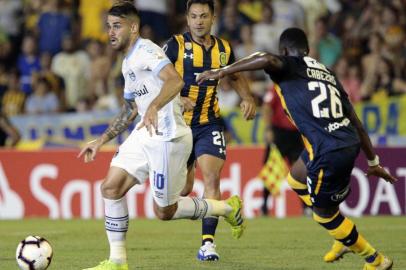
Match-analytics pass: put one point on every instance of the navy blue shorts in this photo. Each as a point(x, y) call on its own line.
point(208, 139)
point(328, 176)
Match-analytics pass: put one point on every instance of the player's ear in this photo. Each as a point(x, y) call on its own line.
point(135, 27)
point(213, 18)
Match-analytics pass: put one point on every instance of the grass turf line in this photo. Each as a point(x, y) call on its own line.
point(268, 243)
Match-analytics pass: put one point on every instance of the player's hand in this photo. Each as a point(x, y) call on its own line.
point(90, 150)
point(382, 173)
point(214, 74)
point(248, 108)
point(187, 103)
point(150, 120)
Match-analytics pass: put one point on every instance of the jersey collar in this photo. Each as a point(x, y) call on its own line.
point(133, 48)
point(201, 45)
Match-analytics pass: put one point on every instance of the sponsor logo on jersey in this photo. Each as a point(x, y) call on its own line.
point(336, 125)
point(159, 194)
point(188, 55)
point(338, 197)
point(142, 91)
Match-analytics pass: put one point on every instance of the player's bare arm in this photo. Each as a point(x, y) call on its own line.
point(373, 161)
point(10, 130)
point(259, 60)
point(171, 87)
point(119, 125)
point(240, 84)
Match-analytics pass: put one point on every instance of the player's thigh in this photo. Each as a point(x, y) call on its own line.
point(210, 149)
point(211, 167)
point(117, 183)
point(298, 171)
point(328, 179)
point(168, 169)
point(209, 140)
point(131, 158)
point(190, 179)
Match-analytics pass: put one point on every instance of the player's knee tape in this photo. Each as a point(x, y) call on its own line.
point(191, 207)
point(300, 189)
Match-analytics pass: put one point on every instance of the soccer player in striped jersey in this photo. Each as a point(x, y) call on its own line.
point(192, 53)
point(317, 104)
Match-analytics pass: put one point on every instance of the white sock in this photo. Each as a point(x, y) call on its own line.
point(196, 208)
point(116, 224)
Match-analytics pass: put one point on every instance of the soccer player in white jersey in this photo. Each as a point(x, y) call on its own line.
point(157, 149)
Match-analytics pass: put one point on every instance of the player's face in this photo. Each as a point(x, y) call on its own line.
point(200, 19)
point(119, 30)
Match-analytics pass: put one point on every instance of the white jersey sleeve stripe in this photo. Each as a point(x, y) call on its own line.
point(160, 66)
point(128, 95)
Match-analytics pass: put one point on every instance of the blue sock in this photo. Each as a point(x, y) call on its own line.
point(209, 226)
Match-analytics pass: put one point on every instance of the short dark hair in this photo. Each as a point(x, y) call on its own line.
point(123, 9)
point(44, 81)
point(210, 3)
point(294, 39)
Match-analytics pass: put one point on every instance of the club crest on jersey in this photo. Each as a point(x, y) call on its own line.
point(132, 75)
point(188, 45)
point(223, 59)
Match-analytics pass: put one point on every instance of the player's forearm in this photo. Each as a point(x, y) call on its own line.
point(170, 89)
point(267, 115)
point(15, 137)
point(119, 124)
point(254, 61)
point(240, 84)
point(366, 144)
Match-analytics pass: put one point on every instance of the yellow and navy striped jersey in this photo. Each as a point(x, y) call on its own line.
point(317, 104)
point(190, 59)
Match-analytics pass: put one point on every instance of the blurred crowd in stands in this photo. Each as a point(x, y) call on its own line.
point(55, 57)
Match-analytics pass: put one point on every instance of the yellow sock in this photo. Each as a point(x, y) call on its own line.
point(345, 231)
point(300, 189)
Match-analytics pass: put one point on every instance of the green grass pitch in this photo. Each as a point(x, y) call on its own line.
point(268, 243)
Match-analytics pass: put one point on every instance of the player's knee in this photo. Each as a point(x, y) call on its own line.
point(165, 213)
point(324, 212)
point(110, 191)
point(186, 190)
point(212, 177)
point(212, 183)
point(162, 215)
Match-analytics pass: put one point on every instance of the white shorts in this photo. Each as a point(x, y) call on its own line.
point(162, 162)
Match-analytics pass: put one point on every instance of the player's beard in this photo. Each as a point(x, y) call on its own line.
point(201, 34)
point(122, 44)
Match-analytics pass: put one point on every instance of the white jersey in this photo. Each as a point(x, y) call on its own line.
point(142, 84)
